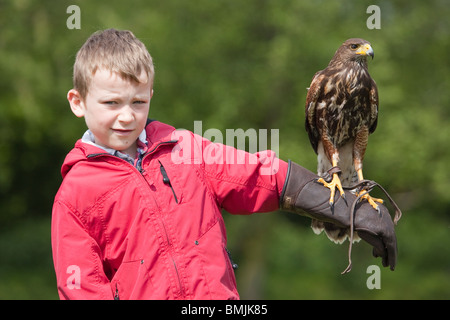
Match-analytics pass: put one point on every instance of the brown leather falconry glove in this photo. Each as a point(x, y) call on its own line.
point(303, 195)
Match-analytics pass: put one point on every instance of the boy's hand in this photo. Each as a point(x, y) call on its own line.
point(303, 195)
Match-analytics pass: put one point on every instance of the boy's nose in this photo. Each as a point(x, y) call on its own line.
point(126, 114)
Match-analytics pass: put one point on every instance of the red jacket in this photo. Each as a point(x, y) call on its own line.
point(156, 231)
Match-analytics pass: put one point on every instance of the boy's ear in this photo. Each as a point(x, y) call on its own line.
point(151, 94)
point(76, 103)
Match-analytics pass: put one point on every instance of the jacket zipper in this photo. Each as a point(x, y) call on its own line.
point(166, 179)
point(169, 244)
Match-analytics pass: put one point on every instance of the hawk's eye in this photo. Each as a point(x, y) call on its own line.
point(354, 46)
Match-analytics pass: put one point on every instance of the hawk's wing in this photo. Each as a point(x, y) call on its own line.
point(373, 95)
point(311, 108)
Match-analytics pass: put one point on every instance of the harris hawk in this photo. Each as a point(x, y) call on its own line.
point(341, 111)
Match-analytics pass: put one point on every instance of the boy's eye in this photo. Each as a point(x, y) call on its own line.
point(114, 102)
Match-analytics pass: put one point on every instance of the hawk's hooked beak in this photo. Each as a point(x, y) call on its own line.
point(366, 50)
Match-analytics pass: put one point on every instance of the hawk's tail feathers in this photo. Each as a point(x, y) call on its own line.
point(334, 233)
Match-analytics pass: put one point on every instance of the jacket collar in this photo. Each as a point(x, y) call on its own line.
point(156, 133)
point(89, 138)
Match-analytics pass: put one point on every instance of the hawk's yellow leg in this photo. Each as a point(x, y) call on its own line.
point(335, 183)
point(370, 199)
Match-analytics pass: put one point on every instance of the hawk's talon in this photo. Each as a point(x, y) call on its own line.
point(372, 201)
point(335, 183)
point(345, 200)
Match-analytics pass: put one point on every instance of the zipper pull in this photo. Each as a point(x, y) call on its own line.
point(116, 295)
point(233, 264)
point(166, 179)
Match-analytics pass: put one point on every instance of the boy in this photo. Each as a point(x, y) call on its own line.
point(138, 214)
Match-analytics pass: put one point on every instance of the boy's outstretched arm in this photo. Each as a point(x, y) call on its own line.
point(303, 195)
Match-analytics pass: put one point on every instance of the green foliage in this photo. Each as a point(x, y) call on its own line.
point(240, 64)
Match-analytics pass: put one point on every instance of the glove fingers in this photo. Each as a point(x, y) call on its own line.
point(379, 249)
point(378, 230)
point(391, 247)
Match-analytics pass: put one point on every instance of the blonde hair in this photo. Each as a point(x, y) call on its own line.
point(115, 50)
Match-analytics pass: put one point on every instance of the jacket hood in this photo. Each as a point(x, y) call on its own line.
point(156, 133)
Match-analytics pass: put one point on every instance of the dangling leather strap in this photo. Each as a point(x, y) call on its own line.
point(366, 185)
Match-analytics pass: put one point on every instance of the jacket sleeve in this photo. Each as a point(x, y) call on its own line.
point(76, 257)
point(242, 182)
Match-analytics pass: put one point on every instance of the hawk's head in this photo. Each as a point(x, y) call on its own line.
point(353, 50)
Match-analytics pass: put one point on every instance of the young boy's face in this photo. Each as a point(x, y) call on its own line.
point(115, 109)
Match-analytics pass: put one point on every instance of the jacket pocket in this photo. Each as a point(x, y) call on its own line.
point(129, 280)
point(216, 264)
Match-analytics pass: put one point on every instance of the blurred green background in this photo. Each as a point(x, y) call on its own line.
point(240, 64)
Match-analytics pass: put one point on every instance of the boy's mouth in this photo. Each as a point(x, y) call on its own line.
point(122, 132)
